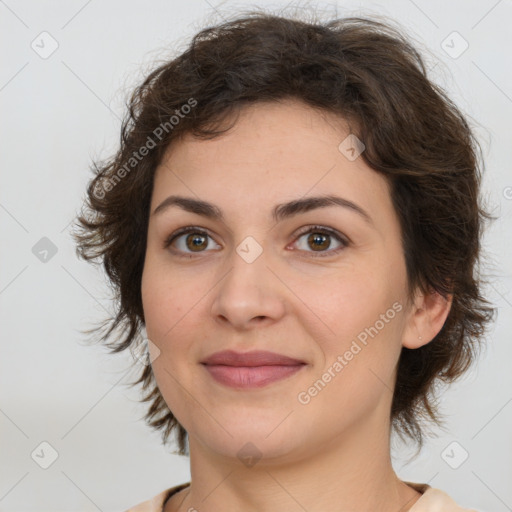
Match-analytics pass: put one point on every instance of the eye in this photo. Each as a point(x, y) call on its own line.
point(196, 240)
point(320, 238)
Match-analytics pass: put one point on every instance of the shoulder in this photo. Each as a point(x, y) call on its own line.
point(436, 500)
point(156, 504)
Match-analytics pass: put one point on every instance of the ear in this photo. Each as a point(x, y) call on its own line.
point(425, 319)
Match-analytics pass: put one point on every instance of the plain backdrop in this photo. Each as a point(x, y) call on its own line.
point(61, 108)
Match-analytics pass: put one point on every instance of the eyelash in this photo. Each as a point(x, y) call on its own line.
point(308, 229)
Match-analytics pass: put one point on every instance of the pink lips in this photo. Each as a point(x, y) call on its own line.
point(250, 369)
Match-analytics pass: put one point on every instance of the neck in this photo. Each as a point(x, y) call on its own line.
point(350, 473)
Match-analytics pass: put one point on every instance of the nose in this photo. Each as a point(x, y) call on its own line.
point(250, 294)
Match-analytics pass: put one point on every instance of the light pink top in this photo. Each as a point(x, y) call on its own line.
point(432, 500)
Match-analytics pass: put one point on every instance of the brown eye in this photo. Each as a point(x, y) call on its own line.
point(319, 240)
point(196, 241)
point(188, 240)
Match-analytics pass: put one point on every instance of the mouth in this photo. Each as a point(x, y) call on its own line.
point(250, 369)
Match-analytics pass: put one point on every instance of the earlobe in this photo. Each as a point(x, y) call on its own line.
point(426, 319)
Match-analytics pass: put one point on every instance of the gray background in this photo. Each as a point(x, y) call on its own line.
point(60, 112)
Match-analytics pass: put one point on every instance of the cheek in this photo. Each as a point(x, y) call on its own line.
point(361, 315)
point(360, 358)
point(172, 302)
point(163, 301)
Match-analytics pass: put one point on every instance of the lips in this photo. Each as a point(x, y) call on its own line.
point(254, 358)
point(250, 369)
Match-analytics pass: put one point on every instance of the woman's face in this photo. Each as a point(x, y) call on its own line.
point(254, 282)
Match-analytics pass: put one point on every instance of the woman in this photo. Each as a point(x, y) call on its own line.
point(292, 225)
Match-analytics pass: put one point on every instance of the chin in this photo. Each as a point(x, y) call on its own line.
point(254, 442)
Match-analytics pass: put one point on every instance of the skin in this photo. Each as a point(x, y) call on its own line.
point(333, 453)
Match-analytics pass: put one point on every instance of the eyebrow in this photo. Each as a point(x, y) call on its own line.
point(279, 212)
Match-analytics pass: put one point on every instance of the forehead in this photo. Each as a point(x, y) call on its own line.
point(276, 151)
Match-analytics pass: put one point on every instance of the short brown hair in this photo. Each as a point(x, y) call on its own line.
point(369, 74)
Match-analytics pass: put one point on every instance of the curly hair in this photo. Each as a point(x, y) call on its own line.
point(367, 72)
